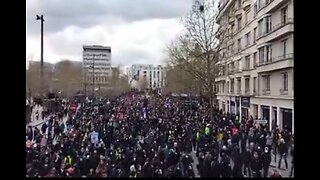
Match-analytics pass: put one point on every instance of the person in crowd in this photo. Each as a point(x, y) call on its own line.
point(283, 152)
point(134, 136)
point(266, 161)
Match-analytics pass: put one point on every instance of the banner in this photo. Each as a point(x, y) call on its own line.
point(94, 137)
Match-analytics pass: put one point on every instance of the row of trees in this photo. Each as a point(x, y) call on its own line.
point(66, 78)
point(193, 55)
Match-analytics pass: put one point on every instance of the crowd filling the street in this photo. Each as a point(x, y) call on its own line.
point(138, 135)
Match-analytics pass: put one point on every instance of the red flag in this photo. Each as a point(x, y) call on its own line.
point(234, 131)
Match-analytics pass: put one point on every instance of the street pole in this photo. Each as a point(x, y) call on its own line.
point(41, 55)
point(93, 81)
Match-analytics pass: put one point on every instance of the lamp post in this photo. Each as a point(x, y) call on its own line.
point(41, 55)
point(93, 56)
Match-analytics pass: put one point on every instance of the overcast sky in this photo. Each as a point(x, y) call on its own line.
point(136, 30)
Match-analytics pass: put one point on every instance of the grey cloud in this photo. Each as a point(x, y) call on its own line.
point(131, 56)
point(86, 13)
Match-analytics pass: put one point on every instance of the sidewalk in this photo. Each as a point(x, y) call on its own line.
point(274, 165)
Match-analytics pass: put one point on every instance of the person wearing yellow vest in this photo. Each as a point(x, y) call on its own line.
point(220, 136)
point(68, 160)
point(207, 130)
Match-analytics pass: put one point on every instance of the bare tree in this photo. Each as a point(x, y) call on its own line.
point(179, 80)
point(67, 78)
point(197, 50)
point(119, 83)
point(143, 83)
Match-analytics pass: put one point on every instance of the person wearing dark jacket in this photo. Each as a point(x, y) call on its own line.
point(44, 128)
point(30, 133)
point(283, 151)
point(215, 168)
point(292, 162)
point(237, 168)
point(266, 160)
point(246, 156)
point(225, 169)
point(256, 165)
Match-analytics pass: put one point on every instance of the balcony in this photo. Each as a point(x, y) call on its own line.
point(276, 63)
point(230, 72)
point(273, 5)
point(246, 4)
point(278, 31)
point(237, 70)
point(238, 12)
point(247, 92)
point(254, 92)
point(231, 19)
point(220, 78)
point(246, 68)
point(283, 91)
point(266, 92)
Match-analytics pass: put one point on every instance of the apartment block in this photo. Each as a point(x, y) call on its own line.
point(256, 66)
point(155, 75)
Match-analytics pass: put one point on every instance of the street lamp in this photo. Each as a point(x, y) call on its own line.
point(93, 56)
point(41, 55)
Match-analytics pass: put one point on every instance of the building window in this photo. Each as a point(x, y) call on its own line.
point(284, 15)
point(261, 55)
point(247, 39)
point(284, 47)
point(285, 81)
point(232, 66)
point(254, 84)
point(268, 24)
point(246, 17)
point(232, 86)
point(239, 4)
point(260, 26)
point(239, 23)
point(247, 62)
point(254, 34)
point(268, 53)
point(267, 83)
point(239, 44)
point(232, 29)
point(247, 85)
point(232, 49)
point(228, 89)
point(255, 59)
point(223, 84)
point(260, 4)
point(239, 85)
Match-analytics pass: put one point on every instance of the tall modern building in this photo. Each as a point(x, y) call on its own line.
point(96, 66)
point(155, 75)
point(256, 68)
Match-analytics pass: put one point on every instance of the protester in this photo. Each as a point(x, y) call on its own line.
point(137, 136)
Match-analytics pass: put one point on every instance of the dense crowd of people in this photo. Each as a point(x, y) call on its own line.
point(138, 136)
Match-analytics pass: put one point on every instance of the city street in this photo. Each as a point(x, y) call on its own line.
point(129, 95)
point(274, 165)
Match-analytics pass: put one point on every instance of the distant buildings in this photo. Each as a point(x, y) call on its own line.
point(96, 65)
point(153, 75)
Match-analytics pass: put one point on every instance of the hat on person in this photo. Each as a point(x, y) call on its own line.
point(70, 170)
point(132, 168)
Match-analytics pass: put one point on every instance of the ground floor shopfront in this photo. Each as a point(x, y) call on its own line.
point(276, 111)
